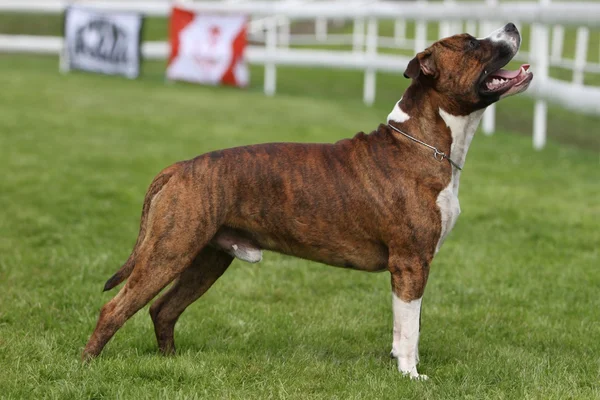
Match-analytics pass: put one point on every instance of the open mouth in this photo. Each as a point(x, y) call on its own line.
point(501, 81)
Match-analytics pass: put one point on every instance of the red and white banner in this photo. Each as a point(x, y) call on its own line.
point(208, 48)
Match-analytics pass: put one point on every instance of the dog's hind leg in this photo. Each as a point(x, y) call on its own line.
point(146, 281)
point(176, 235)
point(193, 282)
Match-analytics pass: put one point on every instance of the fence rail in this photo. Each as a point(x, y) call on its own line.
point(564, 13)
point(273, 28)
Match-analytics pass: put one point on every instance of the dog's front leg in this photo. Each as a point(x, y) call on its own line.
point(408, 284)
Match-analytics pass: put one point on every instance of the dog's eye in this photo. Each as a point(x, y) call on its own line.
point(473, 43)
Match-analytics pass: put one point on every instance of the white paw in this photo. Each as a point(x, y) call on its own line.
point(419, 377)
point(413, 374)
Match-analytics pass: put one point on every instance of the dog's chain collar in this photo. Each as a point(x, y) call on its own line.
point(438, 155)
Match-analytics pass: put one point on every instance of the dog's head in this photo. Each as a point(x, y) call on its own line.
point(468, 71)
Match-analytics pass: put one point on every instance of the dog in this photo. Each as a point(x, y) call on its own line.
point(375, 202)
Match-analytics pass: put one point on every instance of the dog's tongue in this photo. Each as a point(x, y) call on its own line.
point(502, 73)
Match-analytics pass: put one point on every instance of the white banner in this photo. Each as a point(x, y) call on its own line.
point(208, 48)
point(104, 42)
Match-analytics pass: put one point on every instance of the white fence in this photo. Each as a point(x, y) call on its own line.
point(271, 24)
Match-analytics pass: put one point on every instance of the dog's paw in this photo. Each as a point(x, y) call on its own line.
point(419, 377)
point(414, 375)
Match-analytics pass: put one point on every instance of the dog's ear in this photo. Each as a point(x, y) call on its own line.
point(413, 69)
point(423, 63)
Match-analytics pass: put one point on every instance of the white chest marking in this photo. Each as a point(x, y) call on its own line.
point(462, 129)
point(397, 115)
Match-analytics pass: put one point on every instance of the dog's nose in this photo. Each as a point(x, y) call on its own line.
point(510, 27)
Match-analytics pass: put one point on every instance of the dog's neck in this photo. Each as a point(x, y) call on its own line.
point(421, 114)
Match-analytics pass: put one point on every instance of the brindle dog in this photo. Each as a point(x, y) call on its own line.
point(376, 202)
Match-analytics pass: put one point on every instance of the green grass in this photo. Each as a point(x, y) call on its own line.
point(511, 309)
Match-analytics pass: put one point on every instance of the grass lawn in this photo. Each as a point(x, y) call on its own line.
point(511, 309)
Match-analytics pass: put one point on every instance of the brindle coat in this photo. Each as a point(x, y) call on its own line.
point(365, 203)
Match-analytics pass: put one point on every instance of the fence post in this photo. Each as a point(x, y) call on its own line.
point(399, 31)
point(420, 33)
point(445, 26)
point(358, 35)
point(558, 37)
point(471, 27)
point(64, 63)
point(581, 47)
point(489, 120)
point(284, 31)
point(540, 36)
point(370, 77)
point(488, 125)
point(455, 26)
point(321, 29)
point(271, 49)
point(449, 28)
point(420, 36)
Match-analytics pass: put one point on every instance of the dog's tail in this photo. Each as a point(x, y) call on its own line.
point(155, 187)
point(122, 274)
